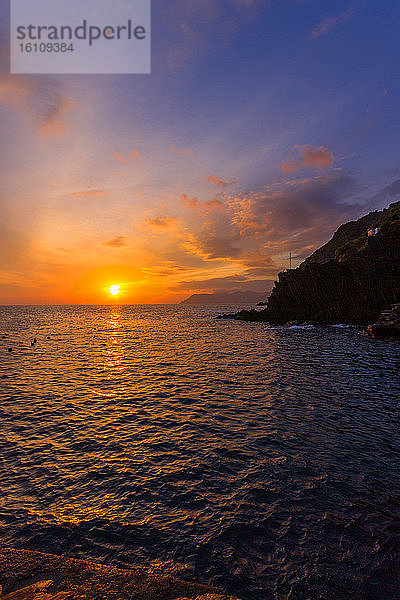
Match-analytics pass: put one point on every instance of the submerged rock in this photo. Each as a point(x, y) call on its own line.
point(28, 575)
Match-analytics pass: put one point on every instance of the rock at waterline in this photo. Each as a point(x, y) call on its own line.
point(28, 575)
point(388, 324)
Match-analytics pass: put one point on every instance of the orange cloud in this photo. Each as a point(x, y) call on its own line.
point(213, 203)
point(189, 202)
point(218, 181)
point(88, 194)
point(162, 222)
point(194, 203)
point(319, 158)
point(134, 155)
point(117, 242)
point(182, 151)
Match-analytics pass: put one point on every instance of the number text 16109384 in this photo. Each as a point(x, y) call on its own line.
point(46, 47)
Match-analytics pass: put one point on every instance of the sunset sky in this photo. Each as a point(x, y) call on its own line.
point(264, 125)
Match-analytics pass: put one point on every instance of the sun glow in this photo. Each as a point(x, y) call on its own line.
point(114, 290)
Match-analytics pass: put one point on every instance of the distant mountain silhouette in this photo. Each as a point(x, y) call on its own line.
point(226, 297)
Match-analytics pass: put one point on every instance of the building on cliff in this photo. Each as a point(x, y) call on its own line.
point(373, 232)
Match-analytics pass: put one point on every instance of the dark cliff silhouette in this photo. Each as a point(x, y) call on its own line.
point(351, 279)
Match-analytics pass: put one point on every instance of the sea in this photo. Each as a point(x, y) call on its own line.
point(261, 460)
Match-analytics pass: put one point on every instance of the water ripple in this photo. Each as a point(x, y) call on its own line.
point(266, 459)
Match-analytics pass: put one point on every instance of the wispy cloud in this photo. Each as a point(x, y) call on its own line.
point(330, 22)
point(197, 17)
point(161, 222)
point(88, 194)
point(195, 203)
point(53, 123)
point(258, 228)
point(387, 195)
point(218, 181)
point(133, 156)
point(46, 102)
point(14, 90)
point(182, 151)
point(117, 242)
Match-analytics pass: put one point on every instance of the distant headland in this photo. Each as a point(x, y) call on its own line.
point(225, 297)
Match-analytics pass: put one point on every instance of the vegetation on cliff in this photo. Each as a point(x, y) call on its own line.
point(345, 235)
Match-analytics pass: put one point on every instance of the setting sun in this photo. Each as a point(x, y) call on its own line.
point(114, 290)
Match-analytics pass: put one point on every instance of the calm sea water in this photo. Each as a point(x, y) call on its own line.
point(267, 460)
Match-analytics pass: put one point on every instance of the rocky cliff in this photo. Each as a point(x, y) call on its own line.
point(349, 280)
